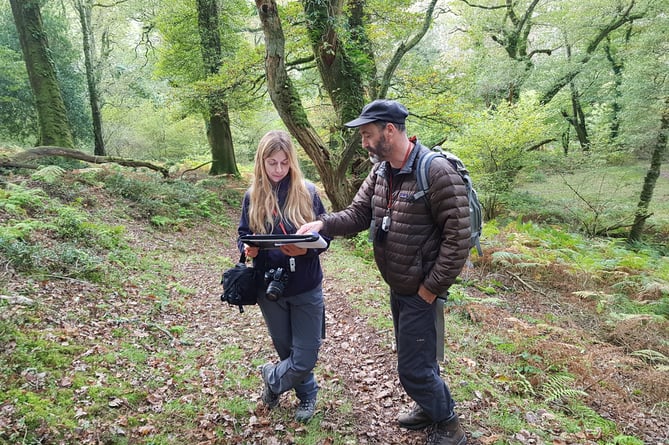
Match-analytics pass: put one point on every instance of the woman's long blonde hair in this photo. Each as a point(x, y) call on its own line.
point(298, 208)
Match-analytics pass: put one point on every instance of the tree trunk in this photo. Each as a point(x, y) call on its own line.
point(84, 8)
point(48, 151)
point(218, 121)
point(220, 141)
point(287, 102)
point(345, 79)
point(356, 24)
point(651, 178)
point(617, 66)
point(578, 120)
point(52, 117)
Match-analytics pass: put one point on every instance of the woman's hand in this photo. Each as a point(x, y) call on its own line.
point(251, 251)
point(292, 250)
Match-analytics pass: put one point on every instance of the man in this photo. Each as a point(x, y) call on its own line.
point(419, 249)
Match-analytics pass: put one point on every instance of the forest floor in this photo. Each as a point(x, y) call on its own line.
point(356, 365)
point(359, 358)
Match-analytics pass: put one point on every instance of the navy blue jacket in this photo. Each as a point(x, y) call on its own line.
point(308, 273)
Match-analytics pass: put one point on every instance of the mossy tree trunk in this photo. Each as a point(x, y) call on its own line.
point(218, 119)
point(349, 82)
point(84, 8)
point(651, 178)
point(54, 127)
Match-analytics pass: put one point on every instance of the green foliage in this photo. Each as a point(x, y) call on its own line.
point(156, 129)
point(19, 200)
point(49, 174)
point(164, 203)
point(559, 387)
point(627, 440)
point(18, 121)
point(494, 146)
point(363, 247)
point(82, 243)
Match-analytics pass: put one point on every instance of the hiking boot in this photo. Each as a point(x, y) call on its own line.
point(416, 419)
point(305, 410)
point(269, 397)
point(447, 432)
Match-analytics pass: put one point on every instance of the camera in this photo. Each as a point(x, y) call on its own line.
point(276, 280)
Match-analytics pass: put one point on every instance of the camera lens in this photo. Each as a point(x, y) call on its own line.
point(276, 283)
point(274, 291)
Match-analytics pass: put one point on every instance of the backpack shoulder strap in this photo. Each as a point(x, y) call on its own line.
point(422, 174)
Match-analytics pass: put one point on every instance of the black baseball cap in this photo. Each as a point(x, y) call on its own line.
point(380, 110)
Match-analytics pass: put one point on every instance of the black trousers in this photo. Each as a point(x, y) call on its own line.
point(417, 366)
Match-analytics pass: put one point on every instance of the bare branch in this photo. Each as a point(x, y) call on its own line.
point(405, 48)
point(483, 6)
point(43, 151)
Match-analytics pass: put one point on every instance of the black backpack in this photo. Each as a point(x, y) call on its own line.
point(475, 210)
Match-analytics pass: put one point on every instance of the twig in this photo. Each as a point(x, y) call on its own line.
point(527, 285)
point(149, 325)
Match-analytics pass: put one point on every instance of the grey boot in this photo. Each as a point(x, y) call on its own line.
point(305, 410)
point(416, 419)
point(269, 397)
point(447, 432)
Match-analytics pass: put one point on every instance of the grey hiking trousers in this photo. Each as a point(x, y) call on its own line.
point(296, 326)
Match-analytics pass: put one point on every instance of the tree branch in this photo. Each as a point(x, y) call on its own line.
point(483, 6)
point(405, 48)
point(43, 151)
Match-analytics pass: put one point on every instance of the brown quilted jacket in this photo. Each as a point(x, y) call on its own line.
point(423, 245)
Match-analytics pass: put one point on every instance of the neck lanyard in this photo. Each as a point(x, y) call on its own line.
point(283, 228)
point(390, 180)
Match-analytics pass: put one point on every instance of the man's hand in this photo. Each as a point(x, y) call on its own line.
point(314, 226)
point(426, 295)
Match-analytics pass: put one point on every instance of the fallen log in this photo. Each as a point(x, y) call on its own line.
point(47, 150)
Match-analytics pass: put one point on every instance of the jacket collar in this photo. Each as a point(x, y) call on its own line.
point(385, 168)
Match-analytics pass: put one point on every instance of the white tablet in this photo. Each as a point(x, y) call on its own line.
point(274, 241)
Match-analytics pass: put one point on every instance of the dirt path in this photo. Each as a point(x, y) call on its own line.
point(352, 359)
point(356, 360)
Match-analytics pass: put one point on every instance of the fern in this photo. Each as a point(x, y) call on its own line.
point(651, 356)
point(17, 199)
point(506, 258)
point(559, 387)
point(524, 384)
point(49, 174)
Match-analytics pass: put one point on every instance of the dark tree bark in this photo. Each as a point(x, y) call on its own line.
point(617, 66)
point(651, 178)
point(361, 43)
point(52, 117)
point(84, 8)
point(341, 164)
point(577, 118)
point(219, 135)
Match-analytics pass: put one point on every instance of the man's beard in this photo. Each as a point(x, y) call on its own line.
point(379, 152)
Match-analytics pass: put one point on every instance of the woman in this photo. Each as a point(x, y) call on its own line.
point(279, 201)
